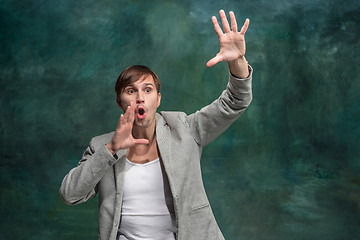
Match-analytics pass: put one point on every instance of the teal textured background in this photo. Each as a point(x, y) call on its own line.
point(288, 169)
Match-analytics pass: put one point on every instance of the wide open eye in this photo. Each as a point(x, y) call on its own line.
point(147, 90)
point(130, 91)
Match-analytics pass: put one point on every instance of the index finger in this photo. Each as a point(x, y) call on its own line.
point(132, 113)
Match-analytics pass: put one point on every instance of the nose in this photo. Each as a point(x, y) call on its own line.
point(139, 97)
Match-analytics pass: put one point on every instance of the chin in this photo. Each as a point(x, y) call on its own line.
point(143, 123)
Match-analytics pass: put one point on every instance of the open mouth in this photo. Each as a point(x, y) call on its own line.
point(141, 113)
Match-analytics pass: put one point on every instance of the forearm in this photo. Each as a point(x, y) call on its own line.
point(239, 68)
point(80, 183)
point(208, 123)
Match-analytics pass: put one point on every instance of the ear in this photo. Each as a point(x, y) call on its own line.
point(158, 99)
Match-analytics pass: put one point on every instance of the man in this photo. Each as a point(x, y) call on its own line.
point(147, 172)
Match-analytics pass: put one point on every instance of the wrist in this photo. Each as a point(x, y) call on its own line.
point(110, 148)
point(239, 67)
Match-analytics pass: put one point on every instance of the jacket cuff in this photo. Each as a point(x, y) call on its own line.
point(104, 154)
point(243, 85)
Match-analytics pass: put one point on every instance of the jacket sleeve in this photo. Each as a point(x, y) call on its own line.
point(80, 184)
point(212, 120)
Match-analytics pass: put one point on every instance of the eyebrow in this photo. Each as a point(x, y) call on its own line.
point(146, 84)
point(131, 85)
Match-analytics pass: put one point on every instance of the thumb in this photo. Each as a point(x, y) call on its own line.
point(142, 141)
point(214, 60)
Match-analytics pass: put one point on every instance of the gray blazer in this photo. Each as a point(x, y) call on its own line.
point(180, 140)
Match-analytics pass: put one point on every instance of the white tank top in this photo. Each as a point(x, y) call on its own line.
point(147, 208)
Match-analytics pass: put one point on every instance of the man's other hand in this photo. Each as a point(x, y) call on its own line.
point(232, 45)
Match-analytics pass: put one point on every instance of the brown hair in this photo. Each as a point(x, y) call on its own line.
point(131, 75)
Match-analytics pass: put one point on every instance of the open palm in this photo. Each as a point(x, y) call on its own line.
point(232, 42)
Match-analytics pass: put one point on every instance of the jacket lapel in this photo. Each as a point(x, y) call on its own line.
point(163, 138)
point(119, 171)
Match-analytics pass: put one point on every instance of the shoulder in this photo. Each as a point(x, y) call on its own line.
point(171, 118)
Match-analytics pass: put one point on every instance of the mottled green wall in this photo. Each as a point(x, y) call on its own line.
point(289, 169)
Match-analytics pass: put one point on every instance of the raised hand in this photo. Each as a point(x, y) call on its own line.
point(232, 42)
point(123, 138)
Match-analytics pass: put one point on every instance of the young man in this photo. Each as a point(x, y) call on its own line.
point(147, 172)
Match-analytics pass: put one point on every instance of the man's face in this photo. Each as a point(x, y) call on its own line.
point(144, 95)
